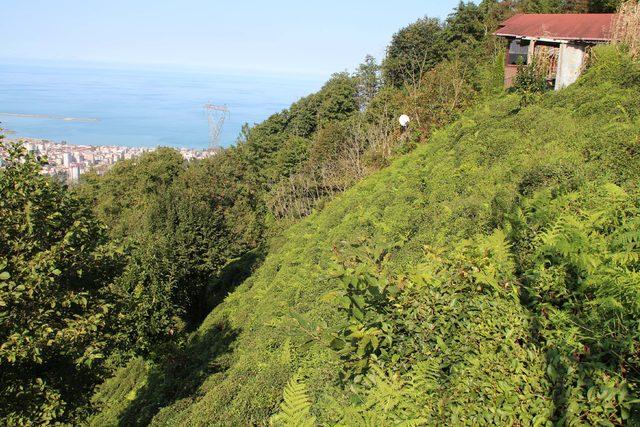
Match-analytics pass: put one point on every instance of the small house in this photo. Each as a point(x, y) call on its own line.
point(559, 41)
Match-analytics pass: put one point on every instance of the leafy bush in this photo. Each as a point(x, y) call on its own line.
point(580, 263)
point(55, 269)
point(529, 81)
point(450, 340)
point(566, 315)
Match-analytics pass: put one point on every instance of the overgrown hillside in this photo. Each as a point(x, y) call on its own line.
point(490, 276)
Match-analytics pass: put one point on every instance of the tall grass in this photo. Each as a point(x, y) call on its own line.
point(626, 27)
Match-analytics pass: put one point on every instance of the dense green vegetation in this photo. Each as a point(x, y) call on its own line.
point(56, 265)
point(184, 227)
point(481, 267)
point(488, 277)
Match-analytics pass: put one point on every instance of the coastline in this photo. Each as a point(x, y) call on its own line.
point(70, 161)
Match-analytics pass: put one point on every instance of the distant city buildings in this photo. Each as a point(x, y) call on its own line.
point(74, 172)
point(66, 157)
point(70, 161)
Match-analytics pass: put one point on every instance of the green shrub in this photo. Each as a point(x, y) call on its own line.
point(580, 263)
point(55, 269)
point(529, 81)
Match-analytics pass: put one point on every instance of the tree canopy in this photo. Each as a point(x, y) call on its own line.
point(56, 265)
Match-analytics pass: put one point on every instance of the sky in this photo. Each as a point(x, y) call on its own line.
point(313, 37)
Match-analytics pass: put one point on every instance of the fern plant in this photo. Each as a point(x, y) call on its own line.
point(441, 330)
point(295, 410)
point(581, 275)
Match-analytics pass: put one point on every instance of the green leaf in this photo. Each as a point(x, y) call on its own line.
point(337, 344)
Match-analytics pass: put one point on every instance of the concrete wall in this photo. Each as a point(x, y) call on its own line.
point(570, 60)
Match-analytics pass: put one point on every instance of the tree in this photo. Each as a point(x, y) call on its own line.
point(604, 6)
point(414, 50)
point(123, 197)
point(465, 25)
point(303, 116)
point(55, 268)
point(293, 153)
point(328, 143)
point(541, 6)
point(494, 12)
point(338, 98)
point(209, 215)
point(368, 81)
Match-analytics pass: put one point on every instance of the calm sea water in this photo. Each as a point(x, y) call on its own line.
point(137, 107)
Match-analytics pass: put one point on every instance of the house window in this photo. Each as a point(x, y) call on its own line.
point(518, 52)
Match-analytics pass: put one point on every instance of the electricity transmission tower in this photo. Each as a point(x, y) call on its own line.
point(216, 116)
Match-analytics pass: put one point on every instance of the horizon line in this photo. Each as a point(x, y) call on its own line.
point(159, 66)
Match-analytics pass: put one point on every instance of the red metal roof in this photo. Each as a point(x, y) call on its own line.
point(570, 26)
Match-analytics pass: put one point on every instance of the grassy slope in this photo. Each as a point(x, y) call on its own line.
point(457, 185)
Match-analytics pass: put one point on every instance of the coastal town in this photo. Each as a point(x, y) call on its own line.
point(69, 161)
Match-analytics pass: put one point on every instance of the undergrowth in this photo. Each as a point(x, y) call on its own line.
point(490, 276)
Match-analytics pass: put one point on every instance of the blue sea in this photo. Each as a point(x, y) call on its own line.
point(138, 107)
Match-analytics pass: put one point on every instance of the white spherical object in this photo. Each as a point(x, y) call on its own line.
point(404, 120)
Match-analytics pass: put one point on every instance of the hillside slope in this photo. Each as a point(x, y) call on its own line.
point(468, 180)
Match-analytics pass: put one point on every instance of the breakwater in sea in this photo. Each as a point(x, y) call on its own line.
point(50, 117)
